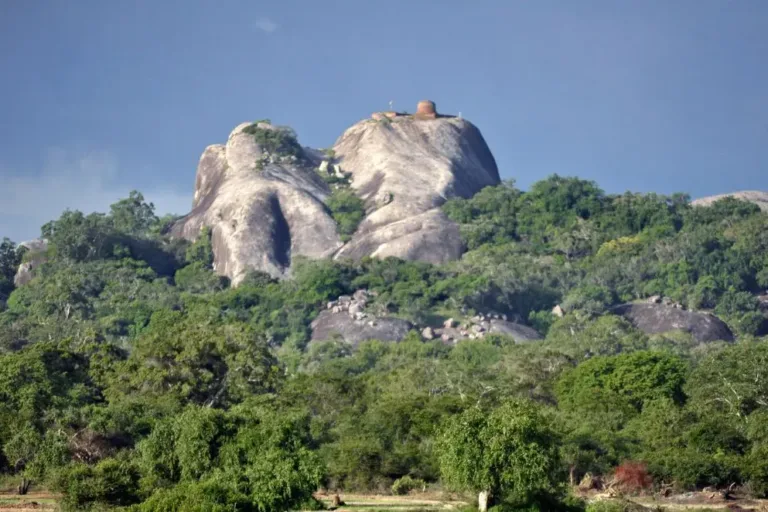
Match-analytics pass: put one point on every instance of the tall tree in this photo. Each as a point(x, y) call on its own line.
point(10, 258)
point(508, 455)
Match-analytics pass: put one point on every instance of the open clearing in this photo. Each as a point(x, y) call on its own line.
point(32, 502)
point(43, 501)
point(371, 503)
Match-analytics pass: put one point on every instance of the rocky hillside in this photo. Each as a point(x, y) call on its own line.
point(264, 197)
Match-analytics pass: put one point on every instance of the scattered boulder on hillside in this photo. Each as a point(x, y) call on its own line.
point(355, 318)
point(350, 318)
point(753, 196)
point(330, 324)
point(666, 301)
point(520, 333)
point(36, 253)
point(661, 318)
point(478, 326)
point(405, 167)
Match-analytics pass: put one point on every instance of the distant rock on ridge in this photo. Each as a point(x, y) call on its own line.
point(753, 196)
point(36, 254)
point(264, 209)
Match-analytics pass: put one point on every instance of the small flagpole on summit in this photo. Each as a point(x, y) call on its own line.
point(391, 102)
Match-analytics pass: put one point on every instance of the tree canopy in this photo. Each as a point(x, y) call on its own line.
point(132, 375)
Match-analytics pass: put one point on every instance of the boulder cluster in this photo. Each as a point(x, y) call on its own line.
point(352, 317)
point(666, 301)
point(354, 305)
point(264, 196)
point(474, 328)
point(329, 169)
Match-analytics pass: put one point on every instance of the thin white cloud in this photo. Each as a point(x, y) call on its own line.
point(266, 25)
point(78, 181)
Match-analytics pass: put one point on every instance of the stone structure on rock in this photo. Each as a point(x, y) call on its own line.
point(266, 209)
point(426, 109)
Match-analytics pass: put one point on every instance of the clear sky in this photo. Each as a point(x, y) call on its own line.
point(100, 97)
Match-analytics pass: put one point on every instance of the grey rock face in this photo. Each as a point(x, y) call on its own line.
point(753, 196)
point(329, 324)
point(260, 218)
point(405, 169)
point(428, 236)
point(660, 318)
point(34, 257)
point(521, 333)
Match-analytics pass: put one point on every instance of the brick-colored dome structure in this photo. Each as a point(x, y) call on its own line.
point(426, 108)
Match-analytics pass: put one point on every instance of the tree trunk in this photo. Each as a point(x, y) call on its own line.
point(483, 499)
point(23, 487)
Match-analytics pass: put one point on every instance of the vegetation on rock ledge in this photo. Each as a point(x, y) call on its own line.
point(275, 140)
point(347, 210)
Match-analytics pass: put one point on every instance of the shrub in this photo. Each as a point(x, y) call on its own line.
point(347, 210)
point(276, 140)
point(406, 484)
point(311, 503)
point(614, 506)
point(207, 496)
point(632, 476)
point(112, 481)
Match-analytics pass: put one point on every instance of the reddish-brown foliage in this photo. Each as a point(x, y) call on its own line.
point(632, 476)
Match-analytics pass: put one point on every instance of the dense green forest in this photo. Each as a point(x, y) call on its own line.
point(131, 375)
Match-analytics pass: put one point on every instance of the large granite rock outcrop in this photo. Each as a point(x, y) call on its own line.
point(661, 318)
point(263, 210)
point(404, 168)
point(266, 208)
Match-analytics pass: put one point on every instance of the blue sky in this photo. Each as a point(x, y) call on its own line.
point(101, 97)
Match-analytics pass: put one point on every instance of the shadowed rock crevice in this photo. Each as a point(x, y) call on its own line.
point(281, 234)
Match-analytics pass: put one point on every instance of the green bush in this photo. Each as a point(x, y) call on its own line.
point(613, 506)
point(406, 484)
point(347, 210)
point(112, 481)
point(275, 140)
point(207, 496)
